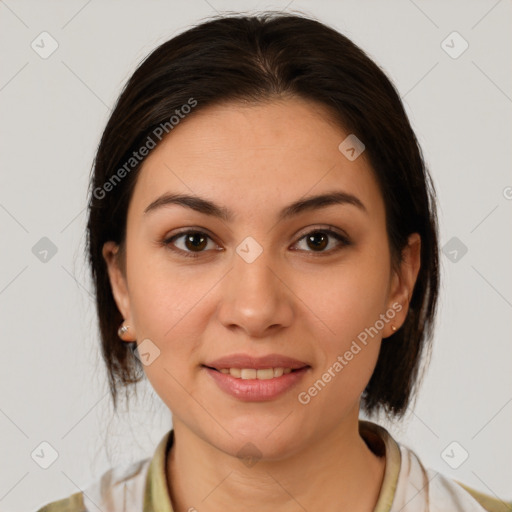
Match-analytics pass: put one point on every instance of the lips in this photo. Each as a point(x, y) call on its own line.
point(258, 363)
point(256, 389)
point(256, 379)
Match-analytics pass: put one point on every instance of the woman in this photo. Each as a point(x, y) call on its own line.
point(262, 231)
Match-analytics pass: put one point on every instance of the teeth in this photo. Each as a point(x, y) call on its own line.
point(235, 372)
point(248, 373)
point(265, 374)
point(253, 373)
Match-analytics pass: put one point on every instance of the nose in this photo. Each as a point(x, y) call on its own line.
point(256, 298)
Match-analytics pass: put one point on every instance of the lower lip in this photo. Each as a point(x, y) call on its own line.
point(256, 390)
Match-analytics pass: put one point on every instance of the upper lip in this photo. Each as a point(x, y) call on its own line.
point(262, 362)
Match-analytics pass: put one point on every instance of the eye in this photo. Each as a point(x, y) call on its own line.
point(318, 239)
point(193, 242)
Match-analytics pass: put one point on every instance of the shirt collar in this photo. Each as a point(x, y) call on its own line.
point(378, 439)
point(156, 495)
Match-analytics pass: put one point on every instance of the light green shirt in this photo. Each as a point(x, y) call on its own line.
point(407, 486)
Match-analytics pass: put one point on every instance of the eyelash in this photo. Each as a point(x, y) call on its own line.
point(168, 242)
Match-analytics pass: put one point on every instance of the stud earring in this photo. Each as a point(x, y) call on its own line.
point(122, 330)
point(393, 328)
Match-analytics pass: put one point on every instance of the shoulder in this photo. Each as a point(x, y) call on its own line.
point(487, 502)
point(116, 487)
point(419, 486)
point(74, 503)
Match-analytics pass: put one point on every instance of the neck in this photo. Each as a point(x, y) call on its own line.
point(335, 472)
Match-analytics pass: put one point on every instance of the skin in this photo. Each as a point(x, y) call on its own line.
point(307, 303)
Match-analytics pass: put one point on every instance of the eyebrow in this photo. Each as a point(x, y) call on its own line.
point(208, 207)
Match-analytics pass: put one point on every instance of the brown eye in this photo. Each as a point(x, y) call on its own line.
point(319, 239)
point(193, 242)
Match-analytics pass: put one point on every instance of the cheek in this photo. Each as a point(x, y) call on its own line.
point(348, 352)
point(168, 306)
point(350, 302)
point(354, 294)
point(161, 292)
point(167, 309)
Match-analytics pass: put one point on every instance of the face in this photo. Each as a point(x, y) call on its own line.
point(312, 283)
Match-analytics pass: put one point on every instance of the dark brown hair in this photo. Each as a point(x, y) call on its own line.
point(261, 58)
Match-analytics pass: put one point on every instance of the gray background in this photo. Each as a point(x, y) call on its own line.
point(53, 110)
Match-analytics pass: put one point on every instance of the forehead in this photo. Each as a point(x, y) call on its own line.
point(256, 156)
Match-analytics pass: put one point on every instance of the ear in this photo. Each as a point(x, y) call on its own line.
point(118, 283)
point(403, 281)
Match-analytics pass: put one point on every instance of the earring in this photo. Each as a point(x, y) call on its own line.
point(122, 330)
point(393, 328)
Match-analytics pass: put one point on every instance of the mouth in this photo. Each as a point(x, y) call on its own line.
point(257, 373)
point(256, 384)
point(253, 378)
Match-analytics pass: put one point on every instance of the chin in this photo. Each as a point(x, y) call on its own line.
point(261, 440)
